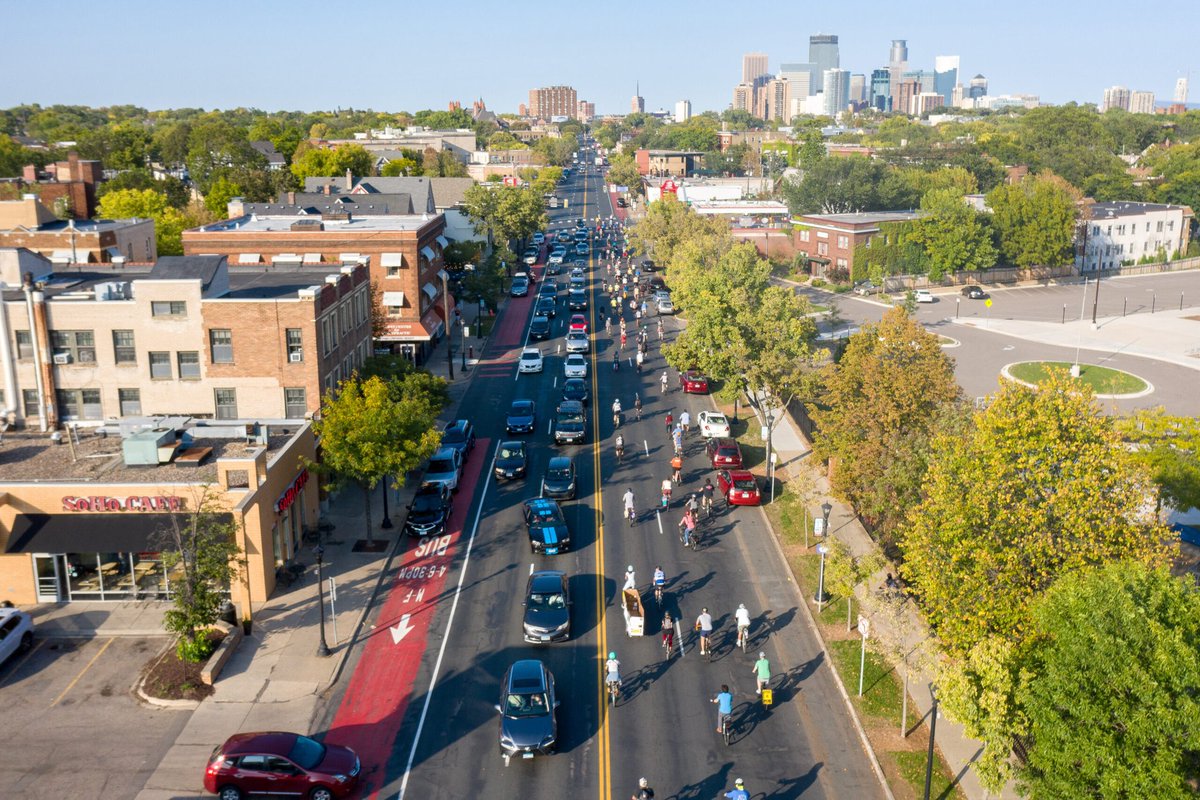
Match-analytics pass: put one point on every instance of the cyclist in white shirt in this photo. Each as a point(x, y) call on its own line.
point(743, 621)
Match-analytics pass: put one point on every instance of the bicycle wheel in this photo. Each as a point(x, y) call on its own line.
point(725, 732)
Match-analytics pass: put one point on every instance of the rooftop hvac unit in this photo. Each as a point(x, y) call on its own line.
point(149, 448)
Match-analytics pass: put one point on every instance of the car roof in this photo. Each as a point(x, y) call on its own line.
point(460, 424)
point(537, 350)
point(739, 474)
point(560, 462)
point(570, 405)
point(526, 674)
point(522, 402)
point(543, 507)
point(575, 356)
point(272, 742)
point(547, 580)
point(445, 452)
point(511, 444)
point(540, 319)
point(577, 334)
point(725, 441)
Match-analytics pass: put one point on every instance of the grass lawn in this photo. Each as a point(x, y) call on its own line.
point(881, 691)
point(912, 767)
point(1102, 380)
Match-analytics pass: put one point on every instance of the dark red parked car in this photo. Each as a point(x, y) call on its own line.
point(281, 764)
point(724, 453)
point(694, 382)
point(739, 487)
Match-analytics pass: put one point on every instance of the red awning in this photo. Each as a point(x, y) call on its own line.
point(407, 331)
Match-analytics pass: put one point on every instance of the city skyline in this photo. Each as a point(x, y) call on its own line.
point(223, 50)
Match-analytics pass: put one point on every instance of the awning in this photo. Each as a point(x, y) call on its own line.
point(442, 241)
point(392, 260)
point(312, 258)
point(348, 258)
point(287, 258)
point(61, 257)
point(407, 331)
point(430, 291)
point(393, 299)
point(115, 255)
point(248, 258)
point(427, 251)
point(116, 532)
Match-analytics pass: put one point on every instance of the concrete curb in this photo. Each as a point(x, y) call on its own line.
point(161, 702)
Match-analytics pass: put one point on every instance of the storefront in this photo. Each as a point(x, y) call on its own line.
point(65, 541)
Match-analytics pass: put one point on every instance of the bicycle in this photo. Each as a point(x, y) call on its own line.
point(616, 419)
point(614, 690)
point(743, 637)
point(706, 505)
point(631, 513)
point(637, 408)
point(726, 733)
point(658, 593)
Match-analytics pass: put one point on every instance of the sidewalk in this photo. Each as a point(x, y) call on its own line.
point(957, 749)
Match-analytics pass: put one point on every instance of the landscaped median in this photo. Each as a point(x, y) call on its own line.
point(1104, 381)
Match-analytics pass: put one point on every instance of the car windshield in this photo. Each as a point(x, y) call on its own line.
point(440, 465)
point(559, 474)
point(531, 356)
point(526, 705)
point(541, 601)
point(512, 452)
point(306, 753)
point(521, 409)
point(727, 450)
point(454, 436)
point(427, 501)
point(570, 416)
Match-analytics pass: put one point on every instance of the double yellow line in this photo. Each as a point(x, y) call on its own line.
point(605, 771)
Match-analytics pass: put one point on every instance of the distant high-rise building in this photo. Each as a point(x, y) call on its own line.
point(881, 89)
point(802, 77)
point(958, 96)
point(638, 104)
point(897, 64)
point(683, 110)
point(587, 111)
point(978, 87)
point(823, 52)
point(553, 101)
point(1181, 90)
point(754, 66)
point(945, 76)
point(1141, 102)
point(778, 100)
point(858, 89)
point(743, 97)
point(837, 91)
point(904, 101)
point(522, 110)
point(1115, 97)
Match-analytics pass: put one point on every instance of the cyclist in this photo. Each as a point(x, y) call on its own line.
point(617, 413)
point(687, 527)
point(739, 791)
point(663, 381)
point(612, 673)
point(630, 500)
point(644, 791)
point(762, 672)
point(704, 625)
point(677, 467)
point(623, 339)
point(677, 439)
point(685, 421)
point(630, 578)
point(616, 360)
point(692, 505)
point(660, 330)
point(637, 405)
point(708, 490)
point(666, 491)
point(641, 356)
point(724, 701)
point(743, 622)
point(668, 631)
point(620, 445)
point(670, 420)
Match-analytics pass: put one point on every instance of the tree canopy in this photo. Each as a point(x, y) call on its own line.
point(847, 185)
point(1035, 221)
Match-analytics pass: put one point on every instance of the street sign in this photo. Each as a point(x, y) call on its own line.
point(822, 549)
point(864, 626)
point(819, 528)
point(988, 302)
point(774, 457)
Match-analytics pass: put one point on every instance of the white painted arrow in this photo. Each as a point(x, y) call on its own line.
point(400, 630)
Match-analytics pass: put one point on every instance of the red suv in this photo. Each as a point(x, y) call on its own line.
point(278, 763)
point(723, 453)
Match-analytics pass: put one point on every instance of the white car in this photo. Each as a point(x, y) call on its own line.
point(539, 237)
point(531, 360)
point(577, 272)
point(576, 366)
point(666, 305)
point(556, 256)
point(712, 424)
point(577, 342)
point(531, 256)
point(924, 296)
point(16, 632)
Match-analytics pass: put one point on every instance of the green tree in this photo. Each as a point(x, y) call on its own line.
point(848, 185)
point(878, 408)
point(169, 223)
point(13, 157)
point(1039, 487)
point(1113, 691)
point(955, 236)
point(172, 188)
point(623, 171)
point(119, 146)
point(199, 548)
point(505, 213)
point(322, 163)
point(217, 147)
point(669, 223)
point(1069, 140)
point(371, 430)
point(1169, 447)
point(169, 143)
point(844, 571)
point(1035, 221)
point(219, 194)
point(813, 149)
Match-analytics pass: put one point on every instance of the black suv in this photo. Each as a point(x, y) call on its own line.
point(428, 511)
point(528, 724)
point(577, 300)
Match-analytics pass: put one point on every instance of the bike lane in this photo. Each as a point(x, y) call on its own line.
point(372, 709)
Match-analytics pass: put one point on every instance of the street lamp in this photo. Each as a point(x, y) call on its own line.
point(825, 509)
point(446, 314)
point(932, 733)
point(319, 552)
point(820, 597)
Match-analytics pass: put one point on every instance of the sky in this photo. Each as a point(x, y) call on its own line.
point(406, 56)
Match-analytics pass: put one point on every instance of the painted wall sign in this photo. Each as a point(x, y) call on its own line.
point(93, 504)
point(291, 493)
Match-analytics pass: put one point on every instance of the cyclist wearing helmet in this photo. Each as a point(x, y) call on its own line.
point(644, 791)
point(612, 672)
point(743, 621)
point(739, 791)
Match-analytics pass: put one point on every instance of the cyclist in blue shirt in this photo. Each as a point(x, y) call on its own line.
point(739, 791)
point(724, 701)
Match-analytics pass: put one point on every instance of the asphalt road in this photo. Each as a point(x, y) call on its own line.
point(663, 728)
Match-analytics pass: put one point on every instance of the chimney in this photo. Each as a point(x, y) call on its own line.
point(326, 188)
point(29, 173)
point(349, 180)
point(291, 198)
point(73, 166)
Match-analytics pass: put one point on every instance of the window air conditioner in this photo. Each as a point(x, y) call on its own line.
point(62, 358)
point(296, 357)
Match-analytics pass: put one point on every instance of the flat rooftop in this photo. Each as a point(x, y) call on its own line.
point(1124, 208)
point(253, 223)
point(863, 218)
point(86, 225)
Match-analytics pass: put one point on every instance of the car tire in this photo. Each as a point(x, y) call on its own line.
point(321, 793)
point(26, 642)
point(229, 793)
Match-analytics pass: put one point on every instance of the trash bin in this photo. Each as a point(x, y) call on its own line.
point(227, 613)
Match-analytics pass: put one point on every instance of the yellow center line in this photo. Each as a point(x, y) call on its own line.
point(71, 685)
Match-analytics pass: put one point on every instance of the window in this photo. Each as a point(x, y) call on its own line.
point(124, 351)
point(394, 312)
point(822, 248)
point(131, 402)
point(221, 342)
point(843, 242)
point(804, 236)
point(1120, 230)
point(295, 344)
point(79, 403)
point(168, 308)
point(1095, 230)
point(1147, 227)
point(226, 402)
point(24, 345)
point(295, 403)
point(841, 263)
point(1170, 224)
point(30, 402)
point(160, 365)
point(1158, 228)
point(328, 334)
point(79, 346)
point(189, 365)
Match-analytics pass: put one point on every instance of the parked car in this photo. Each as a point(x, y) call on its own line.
point(521, 417)
point(712, 424)
point(519, 288)
point(281, 764)
point(512, 460)
point(974, 292)
point(559, 481)
point(527, 708)
point(622, 202)
point(16, 632)
point(570, 423)
point(539, 328)
point(575, 389)
point(428, 511)
point(531, 360)
point(647, 265)
point(925, 296)
point(575, 366)
point(547, 607)
point(695, 382)
point(865, 288)
point(459, 434)
point(445, 467)
point(548, 533)
point(723, 453)
point(665, 305)
point(739, 487)
point(578, 342)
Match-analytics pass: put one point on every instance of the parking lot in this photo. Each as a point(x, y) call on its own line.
point(73, 727)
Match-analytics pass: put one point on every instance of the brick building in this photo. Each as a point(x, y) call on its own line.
point(828, 240)
point(553, 101)
point(72, 182)
point(667, 162)
point(28, 223)
point(186, 336)
point(403, 255)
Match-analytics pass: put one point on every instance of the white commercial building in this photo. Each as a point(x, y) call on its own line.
point(683, 110)
point(1115, 97)
point(1141, 102)
point(1126, 232)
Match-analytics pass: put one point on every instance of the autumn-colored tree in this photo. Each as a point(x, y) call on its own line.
point(1169, 446)
point(1040, 486)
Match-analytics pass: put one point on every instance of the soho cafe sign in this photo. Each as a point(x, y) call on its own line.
point(104, 503)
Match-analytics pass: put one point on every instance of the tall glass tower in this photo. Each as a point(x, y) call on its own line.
point(823, 52)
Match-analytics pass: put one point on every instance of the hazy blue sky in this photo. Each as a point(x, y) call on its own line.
point(410, 55)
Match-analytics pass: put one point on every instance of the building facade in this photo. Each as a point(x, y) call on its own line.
point(587, 111)
point(683, 110)
point(823, 52)
point(837, 91)
point(945, 77)
point(1141, 102)
point(185, 337)
point(29, 224)
point(1120, 232)
point(1115, 97)
point(828, 241)
point(553, 101)
point(754, 66)
point(70, 185)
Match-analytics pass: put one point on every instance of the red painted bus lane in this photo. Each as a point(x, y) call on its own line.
point(381, 687)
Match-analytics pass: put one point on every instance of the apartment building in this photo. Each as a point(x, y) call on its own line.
point(828, 241)
point(1124, 232)
point(186, 336)
point(28, 223)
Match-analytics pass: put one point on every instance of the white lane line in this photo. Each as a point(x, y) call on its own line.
point(658, 519)
point(646, 445)
point(554, 383)
point(549, 426)
point(437, 667)
point(530, 567)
